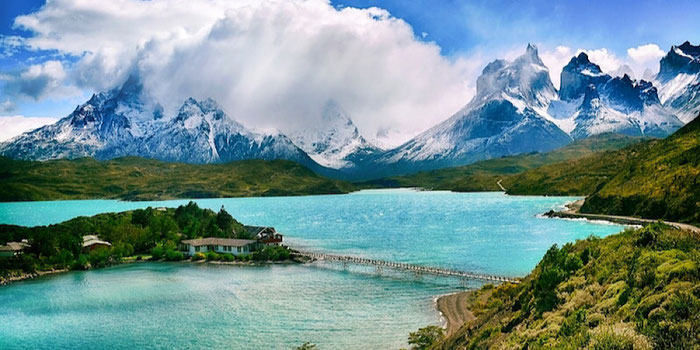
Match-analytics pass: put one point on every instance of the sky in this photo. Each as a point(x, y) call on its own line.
point(396, 67)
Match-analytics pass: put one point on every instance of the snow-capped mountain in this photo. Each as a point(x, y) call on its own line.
point(592, 102)
point(679, 81)
point(126, 122)
point(507, 116)
point(335, 142)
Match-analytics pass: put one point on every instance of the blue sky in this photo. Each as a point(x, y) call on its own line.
point(459, 26)
point(76, 61)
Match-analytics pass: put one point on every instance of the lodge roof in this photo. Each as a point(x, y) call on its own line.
point(13, 247)
point(89, 240)
point(218, 241)
point(256, 230)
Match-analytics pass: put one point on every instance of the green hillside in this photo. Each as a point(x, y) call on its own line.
point(658, 179)
point(134, 178)
point(639, 289)
point(483, 175)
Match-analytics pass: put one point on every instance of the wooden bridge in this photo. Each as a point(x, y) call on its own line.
point(420, 269)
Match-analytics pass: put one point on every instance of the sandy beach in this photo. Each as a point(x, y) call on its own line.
point(454, 309)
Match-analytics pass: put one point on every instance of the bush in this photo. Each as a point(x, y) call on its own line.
point(272, 253)
point(425, 337)
point(173, 255)
point(211, 256)
point(228, 257)
point(99, 257)
point(158, 251)
point(198, 256)
point(82, 263)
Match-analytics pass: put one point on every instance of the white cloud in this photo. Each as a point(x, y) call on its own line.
point(38, 81)
point(645, 53)
point(10, 44)
point(273, 63)
point(270, 63)
point(555, 60)
point(11, 126)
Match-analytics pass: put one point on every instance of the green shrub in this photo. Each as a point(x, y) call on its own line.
point(158, 251)
point(271, 253)
point(173, 255)
point(228, 257)
point(425, 337)
point(212, 256)
point(99, 257)
point(612, 341)
point(198, 256)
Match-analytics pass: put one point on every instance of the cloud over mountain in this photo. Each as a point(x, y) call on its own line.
point(269, 63)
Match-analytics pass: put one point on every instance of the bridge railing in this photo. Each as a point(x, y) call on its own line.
point(406, 266)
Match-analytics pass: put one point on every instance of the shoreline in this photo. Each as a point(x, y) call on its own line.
point(572, 211)
point(4, 281)
point(453, 310)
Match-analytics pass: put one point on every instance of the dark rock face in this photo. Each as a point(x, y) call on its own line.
point(577, 75)
point(612, 104)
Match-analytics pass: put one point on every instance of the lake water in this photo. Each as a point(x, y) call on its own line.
point(184, 305)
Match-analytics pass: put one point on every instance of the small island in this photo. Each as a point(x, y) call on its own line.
point(152, 234)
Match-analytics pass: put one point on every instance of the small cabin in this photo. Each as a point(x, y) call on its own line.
point(218, 245)
point(265, 234)
point(13, 248)
point(92, 242)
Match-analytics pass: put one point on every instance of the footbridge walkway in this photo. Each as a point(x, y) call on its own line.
point(420, 269)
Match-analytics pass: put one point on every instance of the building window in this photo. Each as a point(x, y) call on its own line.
point(239, 249)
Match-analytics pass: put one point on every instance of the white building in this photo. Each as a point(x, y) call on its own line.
point(218, 245)
point(91, 242)
point(13, 248)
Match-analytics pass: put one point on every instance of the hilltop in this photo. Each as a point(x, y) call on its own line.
point(133, 178)
point(634, 290)
point(653, 179)
point(484, 175)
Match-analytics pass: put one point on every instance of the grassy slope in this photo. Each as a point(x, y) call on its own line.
point(483, 175)
point(652, 179)
point(144, 179)
point(636, 290)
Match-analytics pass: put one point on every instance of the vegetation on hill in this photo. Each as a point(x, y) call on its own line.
point(483, 175)
point(639, 289)
point(662, 181)
point(658, 179)
point(134, 178)
point(138, 232)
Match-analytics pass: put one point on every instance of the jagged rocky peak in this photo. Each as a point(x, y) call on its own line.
point(679, 81)
point(525, 79)
point(684, 58)
point(577, 75)
point(630, 95)
point(334, 141)
point(192, 107)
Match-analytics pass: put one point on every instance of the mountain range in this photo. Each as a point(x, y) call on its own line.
point(516, 110)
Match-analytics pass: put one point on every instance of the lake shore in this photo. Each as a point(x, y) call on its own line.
point(453, 308)
point(572, 211)
point(17, 276)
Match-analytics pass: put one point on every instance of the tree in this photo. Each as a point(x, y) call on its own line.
point(426, 337)
point(225, 221)
point(306, 346)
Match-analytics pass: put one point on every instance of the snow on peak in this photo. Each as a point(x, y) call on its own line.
point(334, 142)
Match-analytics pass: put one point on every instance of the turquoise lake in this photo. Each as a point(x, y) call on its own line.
point(184, 305)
